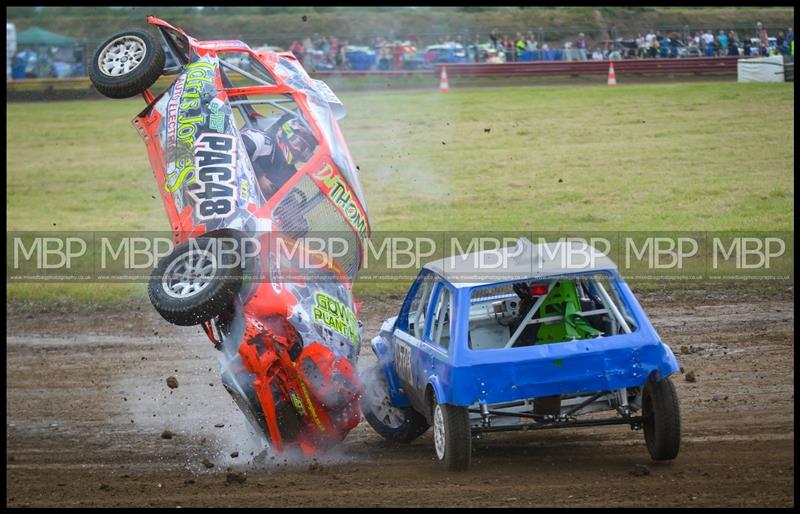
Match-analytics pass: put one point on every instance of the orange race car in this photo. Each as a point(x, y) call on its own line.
point(256, 178)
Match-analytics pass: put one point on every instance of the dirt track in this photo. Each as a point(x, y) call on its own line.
point(87, 403)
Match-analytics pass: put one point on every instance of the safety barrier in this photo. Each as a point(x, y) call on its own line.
point(622, 67)
point(698, 65)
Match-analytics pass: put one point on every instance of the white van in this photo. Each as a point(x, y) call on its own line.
point(11, 47)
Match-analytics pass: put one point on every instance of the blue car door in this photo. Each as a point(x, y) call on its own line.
point(423, 353)
point(407, 335)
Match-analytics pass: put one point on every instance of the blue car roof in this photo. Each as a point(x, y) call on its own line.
point(522, 261)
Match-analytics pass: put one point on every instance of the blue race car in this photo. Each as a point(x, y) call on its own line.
point(545, 340)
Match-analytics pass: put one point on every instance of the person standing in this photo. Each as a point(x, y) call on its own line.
point(519, 46)
point(763, 38)
point(508, 48)
point(708, 38)
point(297, 51)
point(723, 43)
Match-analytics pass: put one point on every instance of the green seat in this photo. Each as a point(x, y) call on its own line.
point(563, 301)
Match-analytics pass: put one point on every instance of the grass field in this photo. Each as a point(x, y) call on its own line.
point(683, 156)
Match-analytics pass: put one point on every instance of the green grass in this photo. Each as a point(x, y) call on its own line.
point(684, 156)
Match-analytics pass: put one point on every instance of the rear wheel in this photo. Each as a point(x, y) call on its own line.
point(396, 424)
point(195, 283)
point(452, 438)
point(662, 419)
point(126, 64)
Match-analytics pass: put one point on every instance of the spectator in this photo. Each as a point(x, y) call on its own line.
point(297, 50)
point(654, 49)
point(342, 57)
point(476, 44)
point(519, 45)
point(531, 42)
point(508, 48)
point(733, 48)
point(723, 43)
point(708, 39)
point(334, 49)
point(763, 38)
point(496, 41)
point(663, 42)
point(580, 43)
point(649, 38)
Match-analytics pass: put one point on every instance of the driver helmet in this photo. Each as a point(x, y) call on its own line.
point(296, 141)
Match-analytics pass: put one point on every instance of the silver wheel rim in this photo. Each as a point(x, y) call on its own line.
point(382, 407)
point(438, 431)
point(121, 56)
point(189, 274)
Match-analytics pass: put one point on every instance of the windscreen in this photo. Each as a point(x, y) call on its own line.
point(295, 76)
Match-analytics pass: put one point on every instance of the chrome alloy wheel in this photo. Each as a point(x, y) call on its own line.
point(121, 56)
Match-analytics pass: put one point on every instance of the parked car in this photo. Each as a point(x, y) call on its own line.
point(540, 346)
point(447, 53)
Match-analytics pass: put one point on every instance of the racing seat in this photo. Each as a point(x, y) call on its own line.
point(563, 300)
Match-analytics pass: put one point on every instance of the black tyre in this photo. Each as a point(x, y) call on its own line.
point(662, 419)
point(126, 64)
point(452, 438)
point(196, 282)
point(395, 424)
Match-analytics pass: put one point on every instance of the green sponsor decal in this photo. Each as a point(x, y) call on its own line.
point(337, 316)
point(176, 179)
point(197, 74)
point(216, 122)
point(298, 403)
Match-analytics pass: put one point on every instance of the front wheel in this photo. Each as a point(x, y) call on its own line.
point(126, 64)
point(452, 438)
point(395, 424)
point(662, 419)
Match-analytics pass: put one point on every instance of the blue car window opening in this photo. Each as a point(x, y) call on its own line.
point(442, 319)
point(433, 311)
point(623, 303)
point(405, 311)
point(419, 314)
point(491, 305)
point(429, 308)
point(615, 305)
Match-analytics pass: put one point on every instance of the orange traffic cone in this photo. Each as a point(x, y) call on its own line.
point(612, 79)
point(443, 86)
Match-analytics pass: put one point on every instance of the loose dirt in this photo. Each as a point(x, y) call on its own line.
point(88, 404)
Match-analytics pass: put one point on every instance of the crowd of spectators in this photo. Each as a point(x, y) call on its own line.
point(328, 52)
point(704, 44)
